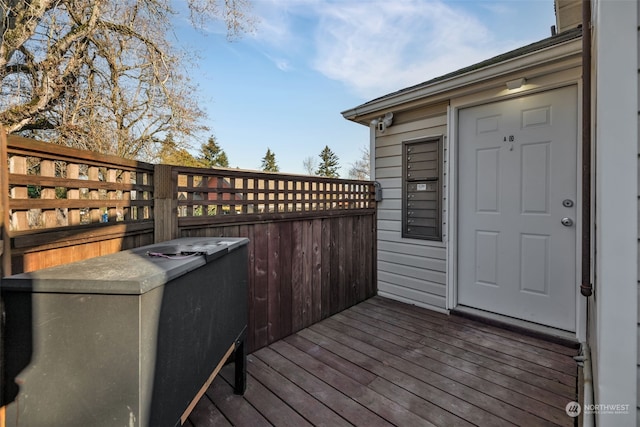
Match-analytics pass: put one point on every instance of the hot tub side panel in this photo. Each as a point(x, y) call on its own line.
point(66, 347)
point(202, 314)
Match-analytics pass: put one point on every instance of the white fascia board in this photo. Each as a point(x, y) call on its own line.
point(527, 61)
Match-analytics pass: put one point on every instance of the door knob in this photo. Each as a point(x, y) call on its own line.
point(567, 222)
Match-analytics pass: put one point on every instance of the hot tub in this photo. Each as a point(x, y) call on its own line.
point(129, 339)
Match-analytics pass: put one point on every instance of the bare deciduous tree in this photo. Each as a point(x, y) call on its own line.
point(101, 74)
point(361, 168)
point(310, 164)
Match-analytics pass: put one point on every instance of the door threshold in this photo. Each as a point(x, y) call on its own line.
point(535, 330)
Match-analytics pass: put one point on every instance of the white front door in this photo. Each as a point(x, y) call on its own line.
point(517, 207)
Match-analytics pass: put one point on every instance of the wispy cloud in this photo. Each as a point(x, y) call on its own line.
point(498, 8)
point(375, 47)
point(282, 64)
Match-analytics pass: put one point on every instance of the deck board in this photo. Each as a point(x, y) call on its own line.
point(384, 363)
point(533, 341)
point(267, 403)
point(466, 373)
point(294, 396)
point(470, 343)
point(206, 414)
point(465, 351)
point(333, 398)
point(495, 342)
point(388, 380)
point(360, 393)
point(442, 352)
point(236, 409)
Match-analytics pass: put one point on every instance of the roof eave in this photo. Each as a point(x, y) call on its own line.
point(362, 113)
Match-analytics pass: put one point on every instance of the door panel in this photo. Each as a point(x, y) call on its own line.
point(486, 261)
point(488, 180)
point(517, 163)
point(534, 178)
point(534, 264)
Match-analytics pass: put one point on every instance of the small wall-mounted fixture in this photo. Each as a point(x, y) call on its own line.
point(384, 122)
point(516, 84)
point(378, 188)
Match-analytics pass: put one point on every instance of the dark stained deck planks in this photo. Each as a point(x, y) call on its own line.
point(383, 363)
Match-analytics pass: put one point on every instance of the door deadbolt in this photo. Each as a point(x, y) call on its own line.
point(567, 203)
point(567, 222)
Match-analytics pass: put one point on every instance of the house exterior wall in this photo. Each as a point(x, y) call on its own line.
point(613, 328)
point(408, 269)
point(423, 272)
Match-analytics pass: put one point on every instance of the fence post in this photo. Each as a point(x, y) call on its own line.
point(5, 247)
point(165, 204)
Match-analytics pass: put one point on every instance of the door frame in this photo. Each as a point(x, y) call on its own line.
point(452, 182)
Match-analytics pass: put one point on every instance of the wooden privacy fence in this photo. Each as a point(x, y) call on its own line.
point(312, 244)
point(66, 204)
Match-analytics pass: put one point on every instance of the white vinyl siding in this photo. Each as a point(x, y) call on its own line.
point(409, 269)
point(638, 319)
point(614, 337)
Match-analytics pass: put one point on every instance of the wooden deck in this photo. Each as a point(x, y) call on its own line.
point(385, 363)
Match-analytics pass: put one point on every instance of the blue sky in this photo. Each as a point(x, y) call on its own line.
point(284, 85)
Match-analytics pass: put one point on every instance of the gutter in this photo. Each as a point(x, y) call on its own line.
point(586, 287)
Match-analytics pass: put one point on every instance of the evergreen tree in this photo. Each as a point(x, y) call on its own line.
point(328, 163)
point(269, 163)
point(211, 155)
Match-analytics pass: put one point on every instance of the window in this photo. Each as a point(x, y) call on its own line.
point(421, 190)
